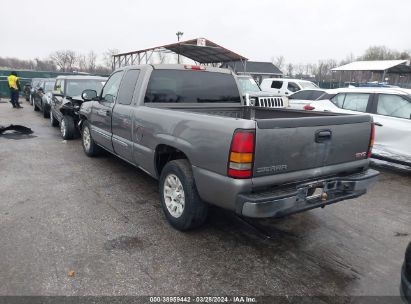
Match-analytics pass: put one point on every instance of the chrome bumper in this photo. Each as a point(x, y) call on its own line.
point(279, 203)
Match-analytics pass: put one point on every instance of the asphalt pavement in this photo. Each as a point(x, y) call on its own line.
point(74, 225)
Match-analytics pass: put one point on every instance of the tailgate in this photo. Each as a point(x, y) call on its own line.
point(291, 144)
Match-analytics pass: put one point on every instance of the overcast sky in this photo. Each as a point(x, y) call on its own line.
point(301, 31)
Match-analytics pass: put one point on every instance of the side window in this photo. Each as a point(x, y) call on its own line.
point(59, 87)
point(394, 105)
point(276, 84)
point(338, 100)
point(316, 94)
point(110, 90)
point(293, 87)
point(356, 102)
point(125, 95)
point(302, 95)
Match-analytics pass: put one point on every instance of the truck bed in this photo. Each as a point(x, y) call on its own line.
point(290, 140)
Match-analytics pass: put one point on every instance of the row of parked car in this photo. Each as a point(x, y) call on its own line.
point(60, 98)
point(390, 108)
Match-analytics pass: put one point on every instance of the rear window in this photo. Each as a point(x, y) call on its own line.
point(177, 86)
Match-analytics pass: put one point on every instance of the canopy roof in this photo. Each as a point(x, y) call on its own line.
point(394, 66)
point(200, 50)
point(253, 67)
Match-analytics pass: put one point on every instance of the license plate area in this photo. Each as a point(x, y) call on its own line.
point(319, 190)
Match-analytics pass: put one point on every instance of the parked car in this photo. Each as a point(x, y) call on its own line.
point(391, 110)
point(42, 96)
point(405, 288)
point(285, 87)
point(254, 96)
point(302, 98)
point(187, 127)
point(33, 87)
point(66, 101)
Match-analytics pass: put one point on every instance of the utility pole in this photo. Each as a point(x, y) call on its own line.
point(179, 34)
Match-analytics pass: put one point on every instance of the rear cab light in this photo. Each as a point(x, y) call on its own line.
point(371, 143)
point(241, 156)
point(194, 67)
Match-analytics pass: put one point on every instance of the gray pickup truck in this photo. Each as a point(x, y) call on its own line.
point(187, 127)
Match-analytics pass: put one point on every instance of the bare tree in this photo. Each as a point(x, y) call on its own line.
point(108, 57)
point(279, 62)
point(64, 59)
point(91, 61)
point(290, 70)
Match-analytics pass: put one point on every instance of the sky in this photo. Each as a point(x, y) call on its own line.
point(301, 31)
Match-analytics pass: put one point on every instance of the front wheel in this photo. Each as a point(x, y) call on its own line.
point(89, 146)
point(180, 201)
point(53, 121)
point(46, 113)
point(68, 127)
point(35, 107)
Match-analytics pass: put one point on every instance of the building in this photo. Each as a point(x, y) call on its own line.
point(258, 70)
point(393, 72)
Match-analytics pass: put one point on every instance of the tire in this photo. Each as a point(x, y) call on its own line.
point(184, 209)
point(35, 107)
point(68, 127)
point(89, 146)
point(53, 121)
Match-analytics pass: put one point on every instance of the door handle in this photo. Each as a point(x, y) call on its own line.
point(378, 124)
point(322, 135)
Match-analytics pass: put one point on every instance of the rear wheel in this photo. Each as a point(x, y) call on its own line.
point(89, 146)
point(180, 201)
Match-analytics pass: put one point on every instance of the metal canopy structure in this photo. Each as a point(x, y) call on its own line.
point(200, 50)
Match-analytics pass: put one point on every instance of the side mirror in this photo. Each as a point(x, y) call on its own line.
point(89, 95)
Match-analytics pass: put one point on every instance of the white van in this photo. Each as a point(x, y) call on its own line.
point(285, 86)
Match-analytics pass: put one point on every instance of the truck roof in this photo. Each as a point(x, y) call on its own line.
point(178, 67)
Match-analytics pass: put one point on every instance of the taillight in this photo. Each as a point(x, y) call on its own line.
point(240, 162)
point(194, 67)
point(308, 107)
point(371, 144)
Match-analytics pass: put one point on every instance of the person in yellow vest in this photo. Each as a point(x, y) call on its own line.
point(14, 86)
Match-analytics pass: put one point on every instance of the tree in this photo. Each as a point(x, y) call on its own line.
point(108, 57)
point(91, 61)
point(64, 59)
point(290, 70)
point(279, 62)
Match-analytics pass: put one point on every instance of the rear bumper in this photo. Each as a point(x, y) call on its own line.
point(279, 203)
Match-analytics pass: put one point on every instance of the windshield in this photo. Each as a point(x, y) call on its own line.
point(308, 85)
point(49, 86)
point(248, 85)
point(76, 87)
